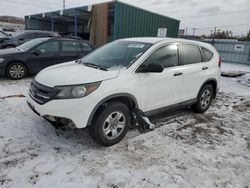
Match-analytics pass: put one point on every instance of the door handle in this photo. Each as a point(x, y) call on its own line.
point(204, 68)
point(178, 74)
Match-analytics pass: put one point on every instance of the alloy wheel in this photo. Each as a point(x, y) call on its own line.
point(17, 71)
point(205, 99)
point(114, 125)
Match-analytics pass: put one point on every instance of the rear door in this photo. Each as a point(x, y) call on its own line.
point(194, 70)
point(70, 50)
point(159, 90)
point(44, 55)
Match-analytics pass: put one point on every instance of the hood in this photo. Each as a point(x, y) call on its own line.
point(9, 51)
point(72, 74)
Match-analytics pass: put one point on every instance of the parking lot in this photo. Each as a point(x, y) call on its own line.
point(185, 150)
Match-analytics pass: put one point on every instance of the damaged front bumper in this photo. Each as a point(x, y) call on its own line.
point(55, 121)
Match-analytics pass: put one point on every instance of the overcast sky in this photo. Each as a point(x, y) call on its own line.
point(204, 15)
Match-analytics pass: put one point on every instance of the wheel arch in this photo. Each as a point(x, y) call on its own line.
point(125, 98)
point(212, 82)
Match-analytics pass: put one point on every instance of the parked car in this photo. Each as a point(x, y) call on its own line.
point(37, 54)
point(21, 37)
point(3, 36)
point(102, 90)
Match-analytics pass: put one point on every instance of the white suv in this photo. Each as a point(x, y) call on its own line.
point(102, 89)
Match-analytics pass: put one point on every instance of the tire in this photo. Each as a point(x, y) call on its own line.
point(204, 99)
point(106, 122)
point(16, 71)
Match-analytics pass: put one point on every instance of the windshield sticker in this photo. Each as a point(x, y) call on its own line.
point(136, 45)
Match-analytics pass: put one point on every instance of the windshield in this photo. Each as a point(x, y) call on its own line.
point(117, 54)
point(30, 44)
point(2, 35)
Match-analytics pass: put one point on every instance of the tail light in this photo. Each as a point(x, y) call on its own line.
point(219, 63)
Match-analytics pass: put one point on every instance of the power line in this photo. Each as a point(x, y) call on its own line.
point(203, 28)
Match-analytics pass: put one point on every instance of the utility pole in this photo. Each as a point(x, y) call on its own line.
point(214, 35)
point(194, 29)
point(186, 31)
point(63, 4)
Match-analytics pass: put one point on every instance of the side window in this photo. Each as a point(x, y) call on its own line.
point(49, 47)
point(166, 56)
point(207, 55)
point(189, 54)
point(86, 47)
point(71, 46)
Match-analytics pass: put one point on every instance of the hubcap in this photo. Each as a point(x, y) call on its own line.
point(205, 99)
point(17, 71)
point(114, 125)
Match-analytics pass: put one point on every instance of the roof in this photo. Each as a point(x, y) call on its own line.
point(151, 40)
point(154, 40)
point(85, 8)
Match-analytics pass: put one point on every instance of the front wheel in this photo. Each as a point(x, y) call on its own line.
point(204, 99)
point(110, 124)
point(16, 71)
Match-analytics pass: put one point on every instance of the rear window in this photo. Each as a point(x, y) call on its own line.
point(190, 54)
point(207, 55)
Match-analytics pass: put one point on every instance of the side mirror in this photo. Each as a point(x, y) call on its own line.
point(155, 68)
point(36, 52)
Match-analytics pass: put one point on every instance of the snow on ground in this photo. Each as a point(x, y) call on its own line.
point(185, 150)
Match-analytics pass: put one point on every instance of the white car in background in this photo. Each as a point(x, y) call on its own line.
point(101, 90)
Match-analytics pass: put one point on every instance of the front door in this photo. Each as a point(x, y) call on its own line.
point(45, 55)
point(159, 90)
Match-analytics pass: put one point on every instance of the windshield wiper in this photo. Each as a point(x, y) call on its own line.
point(95, 66)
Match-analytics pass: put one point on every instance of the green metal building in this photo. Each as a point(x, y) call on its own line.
point(102, 23)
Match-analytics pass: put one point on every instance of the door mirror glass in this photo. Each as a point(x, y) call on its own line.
point(152, 67)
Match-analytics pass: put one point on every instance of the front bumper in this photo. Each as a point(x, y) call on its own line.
point(76, 110)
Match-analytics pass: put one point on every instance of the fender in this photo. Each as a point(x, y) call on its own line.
point(113, 96)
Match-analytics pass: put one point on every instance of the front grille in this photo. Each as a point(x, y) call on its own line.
point(40, 93)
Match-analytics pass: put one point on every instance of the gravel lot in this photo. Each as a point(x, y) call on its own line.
point(185, 150)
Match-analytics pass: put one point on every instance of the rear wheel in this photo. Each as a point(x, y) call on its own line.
point(16, 71)
point(204, 101)
point(110, 124)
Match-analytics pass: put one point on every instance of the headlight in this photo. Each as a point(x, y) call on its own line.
point(76, 91)
point(2, 60)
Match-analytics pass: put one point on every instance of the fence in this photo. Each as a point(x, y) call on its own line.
point(232, 51)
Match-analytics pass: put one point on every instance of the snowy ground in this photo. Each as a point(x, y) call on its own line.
point(185, 150)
